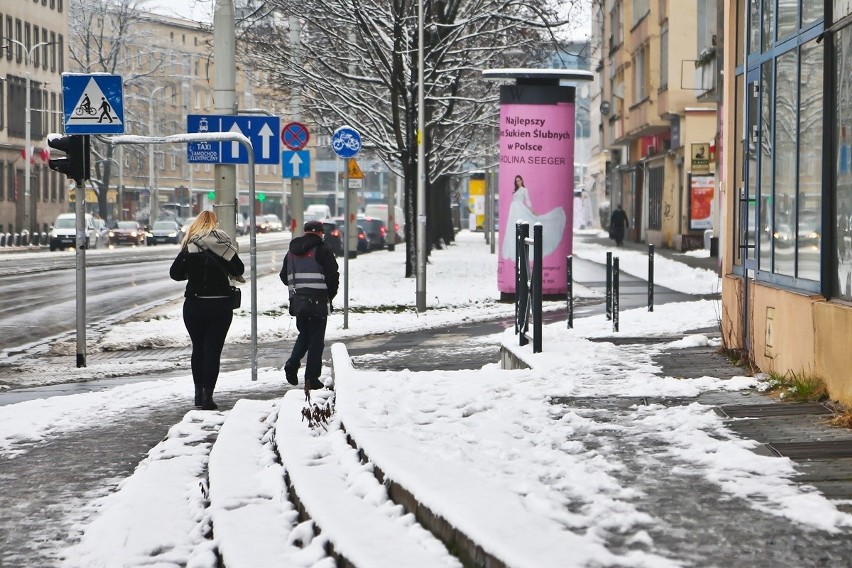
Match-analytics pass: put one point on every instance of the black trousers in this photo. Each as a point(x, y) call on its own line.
point(207, 320)
point(311, 340)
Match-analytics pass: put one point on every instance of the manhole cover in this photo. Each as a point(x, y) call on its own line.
point(812, 450)
point(777, 409)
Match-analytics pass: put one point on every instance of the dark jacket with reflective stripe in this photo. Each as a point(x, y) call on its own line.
point(313, 266)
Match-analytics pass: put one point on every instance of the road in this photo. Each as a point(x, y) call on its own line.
point(38, 290)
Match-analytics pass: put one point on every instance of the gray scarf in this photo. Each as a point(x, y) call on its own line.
point(217, 241)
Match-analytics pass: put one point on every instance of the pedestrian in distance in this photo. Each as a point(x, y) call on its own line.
point(207, 260)
point(312, 277)
point(618, 225)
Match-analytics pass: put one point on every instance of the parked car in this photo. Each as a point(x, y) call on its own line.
point(333, 237)
point(64, 232)
point(318, 212)
point(274, 221)
point(165, 231)
point(363, 239)
point(376, 232)
point(127, 233)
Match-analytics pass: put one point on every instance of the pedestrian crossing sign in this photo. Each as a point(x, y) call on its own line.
point(354, 170)
point(93, 104)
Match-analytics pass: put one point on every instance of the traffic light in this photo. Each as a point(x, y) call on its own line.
point(261, 197)
point(75, 164)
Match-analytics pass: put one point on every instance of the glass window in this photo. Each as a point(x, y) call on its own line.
point(2, 181)
point(788, 17)
point(810, 161)
point(784, 199)
point(765, 220)
point(767, 25)
point(843, 101)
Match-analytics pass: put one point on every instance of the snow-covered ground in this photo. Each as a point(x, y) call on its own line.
point(484, 448)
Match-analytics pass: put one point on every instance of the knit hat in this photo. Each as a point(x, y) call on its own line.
point(314, 227)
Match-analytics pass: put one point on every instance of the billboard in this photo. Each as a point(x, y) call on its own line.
point(536, 177)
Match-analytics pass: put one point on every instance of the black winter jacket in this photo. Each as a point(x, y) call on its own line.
point(324, 256)
point(207, 274)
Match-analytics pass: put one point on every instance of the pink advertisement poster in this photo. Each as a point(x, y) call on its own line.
point(537, 186)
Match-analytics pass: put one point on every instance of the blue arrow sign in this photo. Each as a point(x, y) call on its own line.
point(93, 104)
point(296, 164)
point(262, 131)
point(346, 142)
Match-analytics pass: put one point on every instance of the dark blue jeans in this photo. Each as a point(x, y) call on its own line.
point(311, 340)
point(207, 320)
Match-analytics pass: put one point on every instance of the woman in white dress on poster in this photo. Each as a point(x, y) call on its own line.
point(553, 222)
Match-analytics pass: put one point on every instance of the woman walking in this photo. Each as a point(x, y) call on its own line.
point(207, 260)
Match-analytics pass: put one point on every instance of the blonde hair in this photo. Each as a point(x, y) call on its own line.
point(203, 225)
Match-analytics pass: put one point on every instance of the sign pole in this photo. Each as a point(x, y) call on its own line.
point(80, 270)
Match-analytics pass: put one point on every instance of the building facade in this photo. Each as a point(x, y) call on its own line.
point(657, 117)
point(787, 186)
point(33, 44)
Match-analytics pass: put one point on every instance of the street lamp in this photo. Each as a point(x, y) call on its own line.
point(27, 134)
point(155, 203)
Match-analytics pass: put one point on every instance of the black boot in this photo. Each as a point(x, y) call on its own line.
point(207, 402)
point(199, 395)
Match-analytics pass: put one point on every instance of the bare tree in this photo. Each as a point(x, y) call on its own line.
point(109, 36)
point(355, 62)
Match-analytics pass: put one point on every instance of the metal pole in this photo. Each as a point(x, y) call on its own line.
point(650, 278)
point(80, 269)
point(224, 89)
point(121, 183)
point(154, 206)
point(421, 168)
point(347, 236)
point(615, 294)
point(537, 286)
point(569, 271)
point(608, 294)
point(253, 262)
point(27, 135)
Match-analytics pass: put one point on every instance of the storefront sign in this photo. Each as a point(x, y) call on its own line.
point(700, 157)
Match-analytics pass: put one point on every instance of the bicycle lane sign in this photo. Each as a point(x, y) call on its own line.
point(346, 142)
point(93, 104)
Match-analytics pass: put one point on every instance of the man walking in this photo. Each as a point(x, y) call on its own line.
point(311, 274)
point(618, 225)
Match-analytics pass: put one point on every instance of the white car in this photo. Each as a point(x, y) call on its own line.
point(64, 232)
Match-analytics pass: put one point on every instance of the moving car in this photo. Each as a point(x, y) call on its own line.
point(127, 233)
point(261, 225)
point(165, 231)
point(274, 222)
point(64, 232)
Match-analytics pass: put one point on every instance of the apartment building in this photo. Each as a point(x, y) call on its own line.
point(787, 181)
point(33, 48)
point(656, 114)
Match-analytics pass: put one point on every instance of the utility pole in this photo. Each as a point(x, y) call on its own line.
point(421, 169)
point(224, 92)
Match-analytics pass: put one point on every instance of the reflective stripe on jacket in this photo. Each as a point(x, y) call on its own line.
point(305, 273)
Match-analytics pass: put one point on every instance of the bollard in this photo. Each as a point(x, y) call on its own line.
point(569, 272)
point(538, 273)
point(8, 239)
point(44, 239)
point(17, 239)
point(522, 231)
point(615, 294)
point(608, 294)
point(2, 239)
point(25, 238)
point(650, 278)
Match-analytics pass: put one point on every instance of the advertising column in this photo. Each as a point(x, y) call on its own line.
point(536, 177)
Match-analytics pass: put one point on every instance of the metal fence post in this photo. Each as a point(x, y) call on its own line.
point(538, 263)
point(650, 278)
point(608, 285)
point(615, 292)
point(569, 271)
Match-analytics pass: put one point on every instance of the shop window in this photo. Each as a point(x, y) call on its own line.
point(655, 198)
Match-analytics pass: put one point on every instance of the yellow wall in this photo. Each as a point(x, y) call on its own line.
point(833, 354)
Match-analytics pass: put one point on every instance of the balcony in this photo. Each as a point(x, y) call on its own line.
point(644, 120)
